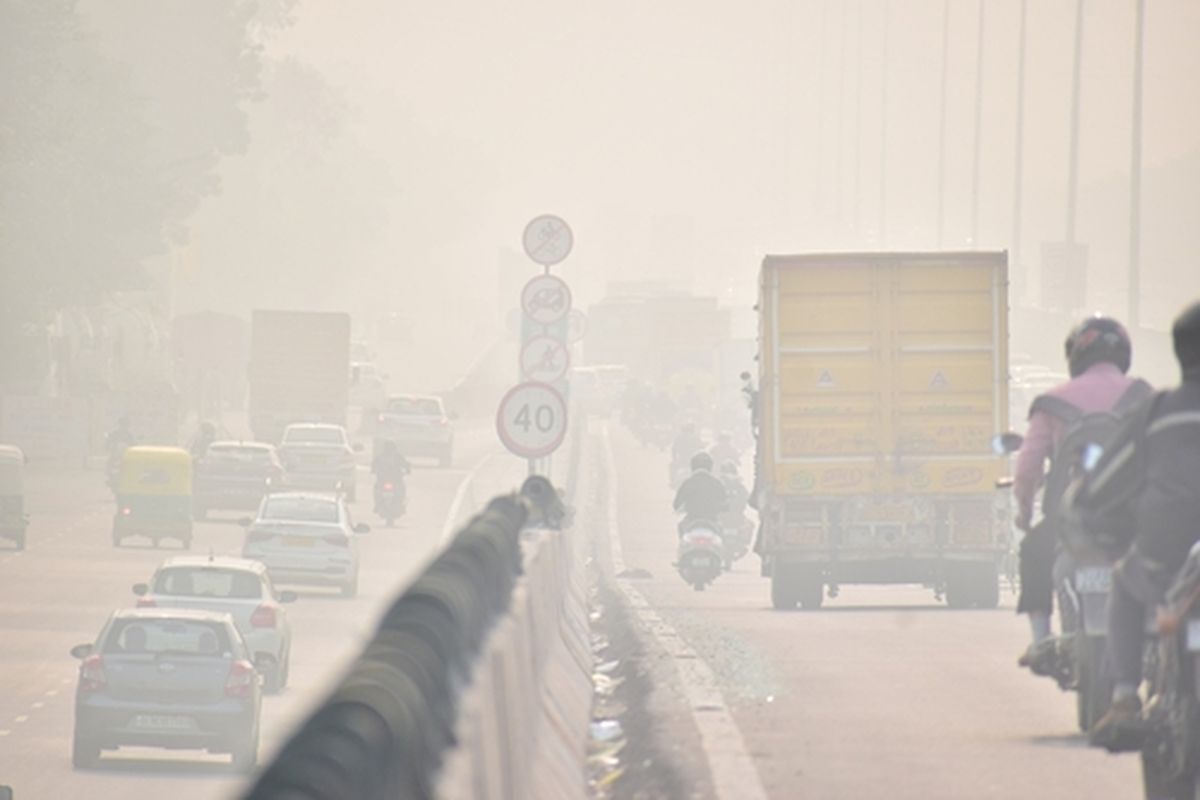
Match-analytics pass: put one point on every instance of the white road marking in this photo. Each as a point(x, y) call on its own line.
point(38, 704)
point(5, 732)
point(22, 718)
point(52, 692)
point(460, 496)
point(733, 772)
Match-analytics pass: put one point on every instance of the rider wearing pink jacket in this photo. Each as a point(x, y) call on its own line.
point(1098, 355)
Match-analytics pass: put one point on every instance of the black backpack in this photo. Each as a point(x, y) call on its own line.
point(1082, 429)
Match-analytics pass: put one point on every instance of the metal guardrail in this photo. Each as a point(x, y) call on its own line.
point(384, 730)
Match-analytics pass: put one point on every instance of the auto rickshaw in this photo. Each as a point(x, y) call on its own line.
point(13, 520)
point(154, 495)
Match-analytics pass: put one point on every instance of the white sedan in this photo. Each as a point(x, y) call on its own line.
point(237, 586)
point(305, 538)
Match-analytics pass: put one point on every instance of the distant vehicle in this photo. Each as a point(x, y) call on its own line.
point(238, 586)
point(880, 376)
point(419, 425)
point(306, 539)
point(318, 456)
point(299, 370)
point(154, 495)
point(600, 387)
point(701, 555)
point(13, 519)
point(368, 388)
point(173, 678)
point(235, 475)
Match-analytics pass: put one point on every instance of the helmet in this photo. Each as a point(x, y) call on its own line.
point(1186, 333)
point(702, 461)
point(1095, 340)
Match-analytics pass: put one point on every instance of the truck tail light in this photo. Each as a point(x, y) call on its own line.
point(146, 602)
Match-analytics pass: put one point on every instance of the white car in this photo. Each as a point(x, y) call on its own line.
point(419, 425)
point(319, 456)
point(239, 587)
point(305, 538)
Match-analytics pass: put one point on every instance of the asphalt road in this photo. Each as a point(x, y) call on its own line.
point(883, 693)
point(58, 592)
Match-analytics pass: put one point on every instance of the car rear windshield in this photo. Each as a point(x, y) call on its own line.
point(228, 584)
point(185, 637)
point(427, 406)
point(239, 455)
point(314, 436)
point(300, 509)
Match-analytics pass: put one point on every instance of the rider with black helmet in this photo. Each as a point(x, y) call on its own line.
point(702, 496)
point(1098, 354)
point(1146, 487)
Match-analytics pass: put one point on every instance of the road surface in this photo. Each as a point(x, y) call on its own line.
point(883, 693)
point(58, 592)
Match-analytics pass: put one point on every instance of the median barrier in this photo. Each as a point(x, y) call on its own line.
point(476, 682)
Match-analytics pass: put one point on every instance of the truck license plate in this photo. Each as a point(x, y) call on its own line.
point(1093, 580)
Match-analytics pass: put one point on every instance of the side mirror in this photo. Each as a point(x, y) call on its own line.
point(1004, 444)
point(362, 527)
point(288, 596)
point(140, 589)
point(245, 522)
point(82, 651)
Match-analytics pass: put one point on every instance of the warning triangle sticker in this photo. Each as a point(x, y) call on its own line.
point(825, 379)
point(938, 380)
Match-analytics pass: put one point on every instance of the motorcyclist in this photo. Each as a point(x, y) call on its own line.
point(702, 496)
point(1145, 488)
point(1098, 353)
point(389, 465)
point(736, 494)
point(205, 435)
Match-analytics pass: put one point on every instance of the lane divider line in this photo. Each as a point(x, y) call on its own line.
point(22, 718)
point(733, 772)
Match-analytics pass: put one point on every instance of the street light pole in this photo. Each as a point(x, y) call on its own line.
point(1019, 161)
point(941, 188)
point(978, 125)
point(1073, 148)
point(1135, 174)
point(883, 127)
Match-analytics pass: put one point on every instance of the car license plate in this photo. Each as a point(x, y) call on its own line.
point(298, 541)
point(163, 722)
point(1093, 580)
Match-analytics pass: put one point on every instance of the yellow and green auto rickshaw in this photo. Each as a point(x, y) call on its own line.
point(13, 520)
point(154, 495)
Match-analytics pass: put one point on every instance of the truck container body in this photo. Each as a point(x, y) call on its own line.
point(299, 369)
point(883, 377)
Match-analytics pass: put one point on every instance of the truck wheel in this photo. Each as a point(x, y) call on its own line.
point(783, 589)
point(85, 752)
point(812, 592)
point(1093, 694)
point(446, 458)
point(958, 587)
point(20, 541)
point(245, 752)
point(987, 588)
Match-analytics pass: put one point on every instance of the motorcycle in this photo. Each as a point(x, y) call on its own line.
point(701, 555)
point(737, 532)
point(1170, 724)
point(390, 500)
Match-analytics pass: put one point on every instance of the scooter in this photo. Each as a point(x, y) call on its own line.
point(701, 555)
point(737, 531)
point(390, 501)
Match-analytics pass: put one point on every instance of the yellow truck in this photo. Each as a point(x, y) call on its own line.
point(882, 378)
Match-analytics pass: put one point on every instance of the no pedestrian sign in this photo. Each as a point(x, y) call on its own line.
point(544, 359)
point(532, 420)
point(547, 239)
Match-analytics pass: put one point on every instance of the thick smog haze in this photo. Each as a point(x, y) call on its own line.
point(599, 400)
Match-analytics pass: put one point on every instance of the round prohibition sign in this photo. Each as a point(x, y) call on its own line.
point(546, 299)
point(532, 420)
point(547, 239)
point(545, 359)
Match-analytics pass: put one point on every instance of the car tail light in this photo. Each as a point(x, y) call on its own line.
point(146, 602)
point(126, 511)
point(336, 539)
point(389, 486)
point(381, 418)
point(241, 679)
point(91, 674)
point(263, 617)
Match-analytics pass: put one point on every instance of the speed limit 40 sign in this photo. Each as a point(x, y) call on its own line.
point(532, 420)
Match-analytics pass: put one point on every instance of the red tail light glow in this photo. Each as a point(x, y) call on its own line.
point(263, 617)
point(241, 679)
point(126, 511)
point(91, 674)
point(146, 602)
point(389, 486)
